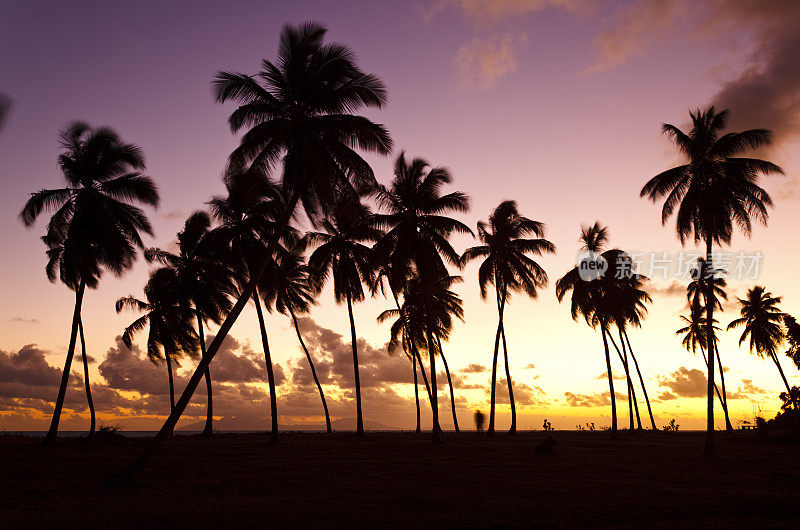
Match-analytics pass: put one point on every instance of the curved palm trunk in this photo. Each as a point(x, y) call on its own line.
point(788, 388)
point(641, 382)
point(710, 448)
point(168, 357)
point(273, 398)
point(416, 392)
point(62, 389)
point(501, 308)
point(359, 415)
point(129, 474)
point(208, 430)
point(633, 404)
point(434, 392)
point(415, 352)
point(89, 400)
point(449, 383)
point(313, 372)
point(610, 384)
point(513, 428)
point(728, 426)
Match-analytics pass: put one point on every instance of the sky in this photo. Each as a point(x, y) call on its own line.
point(556, 104)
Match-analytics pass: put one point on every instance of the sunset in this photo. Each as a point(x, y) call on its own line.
point(566, 223)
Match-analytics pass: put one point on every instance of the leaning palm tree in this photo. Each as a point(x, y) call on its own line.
point(95, 219)
point(763, 325)
point(342, 253)
point(171, 334)
point(507, 266)
point(587, 300)
point(416, 217)
point(204, 284)
point(714, 191)
point(291, 292)
point(301, 113)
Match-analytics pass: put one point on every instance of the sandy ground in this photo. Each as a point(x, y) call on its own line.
point(401, 479)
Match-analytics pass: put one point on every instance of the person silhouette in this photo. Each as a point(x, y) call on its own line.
point(479, 418)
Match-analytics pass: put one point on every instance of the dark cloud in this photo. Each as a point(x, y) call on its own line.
point(666, 396)
point(600, 399)
point(474, 368)
point(246, 367)
point(686, 383)
point(524, 395)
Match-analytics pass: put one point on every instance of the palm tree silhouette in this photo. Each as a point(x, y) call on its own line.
point(300, 113)
point(291, 292)
point(204, 283)
point(715, 190)
point(506, 265)
point(247, 217)
point(695, 294)
point(587, 300)
point(425, 318)
point(417, 231)
point(341, 253)
point(95, 224)
point(171, 333)
point(762, 321)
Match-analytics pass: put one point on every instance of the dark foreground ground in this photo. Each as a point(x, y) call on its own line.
point(401, 479)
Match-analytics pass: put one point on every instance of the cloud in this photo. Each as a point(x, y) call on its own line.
point(173, 214)
point(604, 377)
point(766, 92)
point(474, 368)
point(485, 12)
point(529, 366)
point(667, 396)
point(686, 383)
point(484, 60)
point(27, 367)
point(634, 28)
point(24, 320)
point(600, 399)
point(675, 288)
point(524, 395)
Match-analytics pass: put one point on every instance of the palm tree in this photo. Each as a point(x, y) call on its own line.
point(246, 218)
point(204, 284)
point(762, 321)
point(588, 299)
point(95, 224)
point(426, 318)
point(507, 266)
point(171, 333)
point(417, 230)
point(291, 293)
point(341, 252)
point(714, 191)
point(701, 276)
point(300, 113)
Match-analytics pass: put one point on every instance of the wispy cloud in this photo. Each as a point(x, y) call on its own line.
point(483, 61)
point(24, 320)
point(486, 12)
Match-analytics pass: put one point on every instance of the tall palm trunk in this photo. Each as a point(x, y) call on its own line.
point(416, 392)
point(434, 392)
point(273, 398)
point(610, 383)
point(89, 400)
point(415, 352)
point(62, 389)
point(722, 401)
point(513, 428)
point(129, 474)
point(631, 391)
point(449, 383)
point(313, 372)
point(168, 358)
point(710, 449)
point(359, 414)
point(728, 426)
point(501, 308)
point(208, 430)
point(641, 382)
